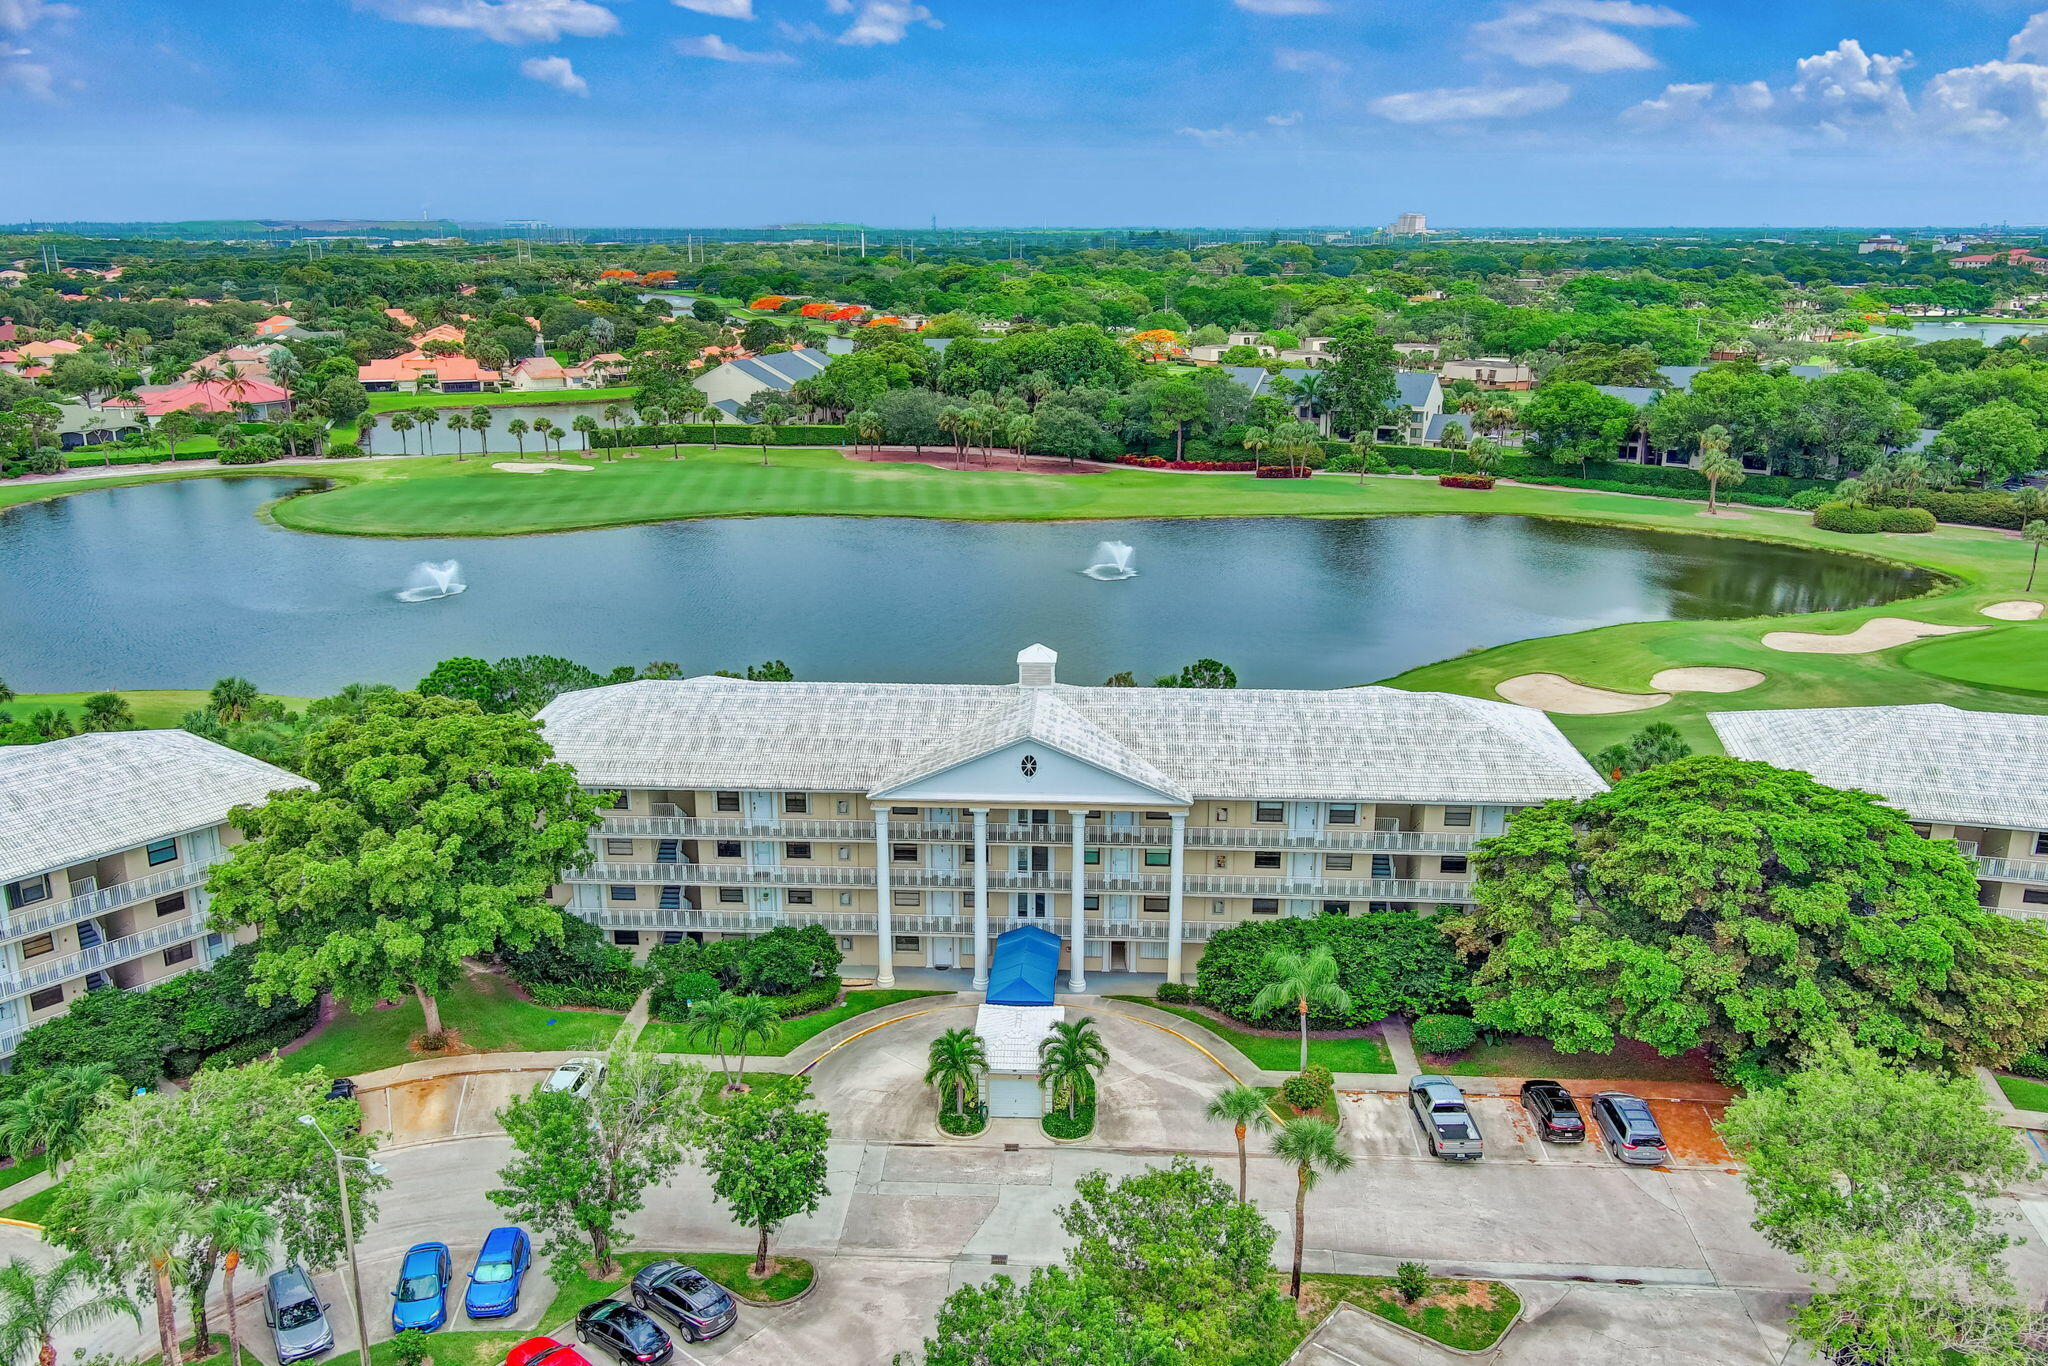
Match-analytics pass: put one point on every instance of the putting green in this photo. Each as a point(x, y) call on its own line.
point(2011, 657)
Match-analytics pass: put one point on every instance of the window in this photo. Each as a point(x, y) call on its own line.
point(796, 851)
point(1222, 815)
point(625, 938)
point(1270, 812)
point(2034, 896)
point(902, 853)
point(1336, 863)
point(163, 851)
point(620, 800)
point(796, 803)
point(36, 945)
point(726, 801)
point(1216, 906)
point(2041, 843)
point(623, 893)
point(905, 810)
point(47, 997)
point(846, 898)
point(844, 805)
point(1336, 908)
point(180, 954)
point(618, 848)
point(845, 853)
point(799, 896)
point(28, 891)
point(905, 943)
point(726, 848)
point(1266, 858)
point(1159, 858)
point(1456, 817)
point(1265, 905)
point(1155, 905)
point(1091, 857)
point(1091, 903)
point(171, 905)
point(732, 894)
point(906, 898)
point(1382, 865)
point(1345, 813)
point(1451, 863)
point(1157, 816)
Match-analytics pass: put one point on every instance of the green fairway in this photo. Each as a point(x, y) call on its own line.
point(153, 709)
point(2014, 657)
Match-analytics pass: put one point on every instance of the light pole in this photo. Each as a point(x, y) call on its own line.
point(348, 1231)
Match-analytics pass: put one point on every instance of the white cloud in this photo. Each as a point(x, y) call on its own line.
point(1212, 137)
point(1832, 95)
point(1471, 103)
point(19, 16)
point(720, 9)
point(877, 23)
point(554, 71)
point(2031, 40)
point(1283, 7)
point(504, 21)
point(1287, 120)
point(19, 73)
point(1306, 60)
point(1995, 99)
point(718, 50)
point(1576, 33)
point(1847, 83)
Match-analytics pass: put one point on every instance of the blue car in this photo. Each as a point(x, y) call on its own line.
point(499, 1271)
point(421, 1300)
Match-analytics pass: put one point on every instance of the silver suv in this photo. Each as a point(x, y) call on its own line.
point(297, 1318)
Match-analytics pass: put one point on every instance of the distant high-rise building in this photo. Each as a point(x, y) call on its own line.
point(1410, 225)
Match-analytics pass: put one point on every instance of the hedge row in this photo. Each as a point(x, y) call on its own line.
point(724, 433)
point(89, 458)
point(1597, 473)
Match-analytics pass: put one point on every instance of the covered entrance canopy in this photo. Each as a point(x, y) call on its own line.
point(1025, 967)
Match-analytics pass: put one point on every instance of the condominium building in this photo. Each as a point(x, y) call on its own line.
point(917, 820)
point(1979, 778)
point(105, 842)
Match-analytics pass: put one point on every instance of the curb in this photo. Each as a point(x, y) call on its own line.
point(940, 1129)
point(817, 1275)
point(1520, 1306)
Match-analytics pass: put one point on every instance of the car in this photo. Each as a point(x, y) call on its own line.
point(342, 1088)
point(698, 1306)
point(500, 1270)
point(1629, 1129)
point(1554, 1112)
point(578, 1076)
point(628, 1333)
point(545, 1351)
point(297, 1316)
point(421, 1299)
point(1439, 1107)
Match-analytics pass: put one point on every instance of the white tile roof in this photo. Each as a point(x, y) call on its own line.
point(66, 801)
point(1351, 744)
point(1934, 762)
point(1010, 1035)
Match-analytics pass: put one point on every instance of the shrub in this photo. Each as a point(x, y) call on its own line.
point(1981, 507)
point(1411, 1281)
point(795, 967)
point(1343, 464)
point(1387, 961)
point(248, 455)
point(1848, 520)
point(215, 1009)
point(1806, 500)
point(344, 450)
point(1310, 1091)
point(124, 1029)
point(672, 1001)
point(411, 1347)
point(1174, 993)
point(2033, 1065)
point(1283, 472)
point(1465, 481)
point(1912, 521)
point(810, 1000)
point(584, 969)
point(1401, 469)
point(1445, 1033)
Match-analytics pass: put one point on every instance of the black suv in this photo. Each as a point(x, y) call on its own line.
point(1554, 1112)
point(697, 1305)
point(627, 1333)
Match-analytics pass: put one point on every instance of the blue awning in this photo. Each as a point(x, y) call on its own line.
point(1025, 967)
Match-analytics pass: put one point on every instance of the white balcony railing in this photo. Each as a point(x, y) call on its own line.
point(42, 972)
point(1383, 837)
point(43, 917)
point(685, 919)
point(2015, 869)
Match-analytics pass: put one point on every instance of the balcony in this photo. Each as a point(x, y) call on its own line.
point(42, 972)
point(863, 922)
point(45, 916)
point(908, 878)
point(2014, 869)
point(1383, 838)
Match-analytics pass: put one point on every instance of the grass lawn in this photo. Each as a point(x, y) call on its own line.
point(23, 1170)
point(1531, 1057)
point(153, 709)
point(1467, 1315)
point(1283, 1054)
point(390, 403)
point(668, 1037)
point(2024, 1092)
point(482, 1009)
point(714, 1099)
point(32, 1210)
point(2008, 657)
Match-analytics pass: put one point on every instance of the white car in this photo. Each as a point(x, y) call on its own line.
point(578, 1076)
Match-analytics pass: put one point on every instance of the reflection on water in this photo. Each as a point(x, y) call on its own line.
point(177, 584)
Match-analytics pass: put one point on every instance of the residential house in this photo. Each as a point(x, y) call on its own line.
point(1638, 449)
point(446, 332)
point(265, 402)
point(1420, 401)
point(86, 423)
point(415, 371)
point(915, 821)
point(274, 324)
point(1417, 355)
point(727, 387)
point(1883, 242)
point(105, 842)
point(1489, 372)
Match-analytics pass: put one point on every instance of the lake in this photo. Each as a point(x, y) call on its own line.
point(1991, 334)
point(175, 584)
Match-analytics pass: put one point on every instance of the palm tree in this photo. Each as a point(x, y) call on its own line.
point(586, 424)
point(1311, 391)
point(232, 698)
point(1244, 1107)
point(770, 426)
point(402, 423)
point(480, 422)
point(956, 1058)
point(1483, 455)
point(868, 427)
point(36, 1304)
point(428, 418)
point(458, 424)
point(2032, 502)
point(706, 1024)
point(1854, 492)
point(614, 414)
point(714, 415)
point(2034, 534)
point(1304, 980)
point(136, 1218)
point(240, 1232)
point(1311, 1145)
point(1257, 440)
point(952, 420)
point(1716, 466)
point(1069, 1057)
point(752, 1020)
point(517, 430)
point(1019, 431)
point(50, 1113)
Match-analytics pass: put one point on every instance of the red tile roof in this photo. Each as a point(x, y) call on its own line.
point(209, 396)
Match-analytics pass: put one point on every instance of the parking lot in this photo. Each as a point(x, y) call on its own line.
point(1380, 1125)
point(462, 1106)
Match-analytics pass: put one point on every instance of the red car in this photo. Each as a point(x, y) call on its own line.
point(545, 1352)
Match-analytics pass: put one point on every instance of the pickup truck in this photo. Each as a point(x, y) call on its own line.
point(1449, 1128)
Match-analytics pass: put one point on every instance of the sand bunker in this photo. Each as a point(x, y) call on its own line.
point(2013, 611)
point(1879, 633)
point(1705, 679)
point(534, 467)
point(1552, 692)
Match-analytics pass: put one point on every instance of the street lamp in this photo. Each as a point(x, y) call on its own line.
point(348, 1230)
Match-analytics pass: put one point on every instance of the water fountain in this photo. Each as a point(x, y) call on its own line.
point(1112, 561)
point(430, 580)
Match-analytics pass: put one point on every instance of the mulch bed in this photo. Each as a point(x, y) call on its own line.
point(998, 462)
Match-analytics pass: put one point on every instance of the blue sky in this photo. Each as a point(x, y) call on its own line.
point(1562, 112)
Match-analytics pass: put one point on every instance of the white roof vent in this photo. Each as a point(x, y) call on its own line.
point(1035, 667)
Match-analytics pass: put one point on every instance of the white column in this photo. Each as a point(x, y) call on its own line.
point(1077, 975)
point(1173, 887)
point(885, 932)
point(981, 944)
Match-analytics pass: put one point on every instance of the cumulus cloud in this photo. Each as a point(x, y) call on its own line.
point(877, 23)
point(1580, 34)
point(1283, 7)
point(1832, 95)
point(1995, 99)
point(1471, 103)
point(1305, 60)
point(554, 71)
point(1849, 84)
point(2031, 40)
point(720, 9)
point(716, 49)
point(19, 16)
point(503, 21)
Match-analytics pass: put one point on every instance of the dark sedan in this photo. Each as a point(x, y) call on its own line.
point(697, 1305)
point(627, 1333)
point(1554, 1112)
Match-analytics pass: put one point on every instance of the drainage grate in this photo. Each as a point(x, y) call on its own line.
point(999, 1259)
point(1011, 1148)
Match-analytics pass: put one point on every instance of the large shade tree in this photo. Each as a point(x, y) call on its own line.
point(434, 834)
point(1751, 910)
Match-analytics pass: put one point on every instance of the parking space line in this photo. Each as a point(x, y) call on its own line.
point(460, 1097)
